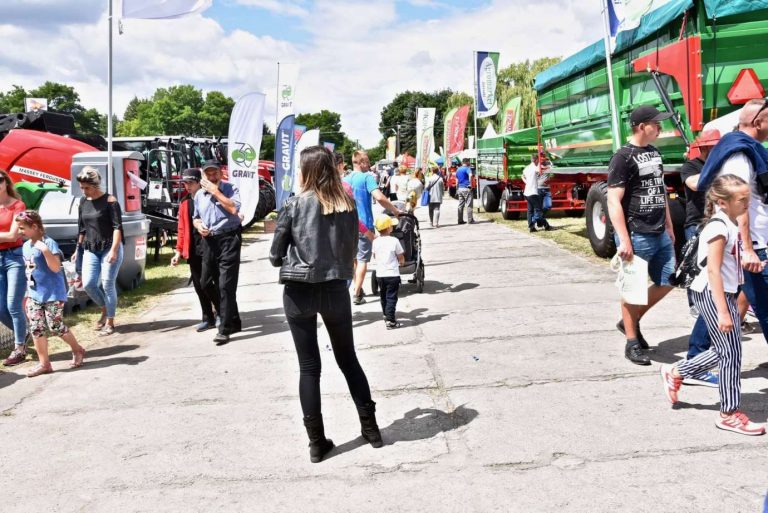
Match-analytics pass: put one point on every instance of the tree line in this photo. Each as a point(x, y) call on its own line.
point(185, 110)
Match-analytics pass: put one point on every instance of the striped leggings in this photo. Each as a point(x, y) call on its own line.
point(725, 351)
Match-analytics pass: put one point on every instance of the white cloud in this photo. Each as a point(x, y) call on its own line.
point(358, 56)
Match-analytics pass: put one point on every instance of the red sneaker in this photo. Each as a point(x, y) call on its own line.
point(16, 357)
point(671, 383)
point(739, 423)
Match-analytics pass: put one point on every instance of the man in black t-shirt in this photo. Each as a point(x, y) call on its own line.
point(637, 206)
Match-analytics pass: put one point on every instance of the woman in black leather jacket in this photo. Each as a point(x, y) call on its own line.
point(315, 246)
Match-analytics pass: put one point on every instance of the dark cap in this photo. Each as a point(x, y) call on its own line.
point(191, 175)
point(210, 163)
point(647, 114)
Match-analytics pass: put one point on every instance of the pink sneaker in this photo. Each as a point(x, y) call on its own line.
point(739, 423)
point(671, 383)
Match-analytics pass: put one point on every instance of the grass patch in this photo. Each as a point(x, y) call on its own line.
point(160, 278)
point(571, 232)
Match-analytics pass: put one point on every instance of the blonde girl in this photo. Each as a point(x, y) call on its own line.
point(46, 292)
point(714, 292)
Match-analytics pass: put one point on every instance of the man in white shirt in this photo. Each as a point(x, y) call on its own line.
point(753, 225)
point(531, 175)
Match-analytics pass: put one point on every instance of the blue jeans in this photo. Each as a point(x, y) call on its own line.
point(756, 289)
point(99, 278)
point(13, 286)
point(656, 249)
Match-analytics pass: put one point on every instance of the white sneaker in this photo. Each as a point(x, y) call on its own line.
point(739, 423)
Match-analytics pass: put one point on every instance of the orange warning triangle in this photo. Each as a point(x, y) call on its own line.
point(746, 87)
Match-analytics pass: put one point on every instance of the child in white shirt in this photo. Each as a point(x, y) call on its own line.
point(714, 293)
point(389, 256)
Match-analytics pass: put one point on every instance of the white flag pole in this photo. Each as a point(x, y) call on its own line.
point(477, 101)
point(609, 68)
point(109, 177)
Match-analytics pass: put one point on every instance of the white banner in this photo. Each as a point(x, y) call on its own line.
point(308, 138)
point(163, 9)
point(287, 77)
point(245, 130)
point(35, 104)
point(425, 136)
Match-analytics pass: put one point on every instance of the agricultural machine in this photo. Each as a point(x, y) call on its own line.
point(700, 59)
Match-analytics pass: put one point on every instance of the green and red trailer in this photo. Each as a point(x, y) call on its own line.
point(701, 59)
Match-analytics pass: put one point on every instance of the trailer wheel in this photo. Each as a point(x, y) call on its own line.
point(266, 201)
point(599, 228)
point(503, 205)
point(490, 198)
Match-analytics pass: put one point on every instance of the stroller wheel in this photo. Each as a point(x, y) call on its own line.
point(420, 278)
point(374, 284)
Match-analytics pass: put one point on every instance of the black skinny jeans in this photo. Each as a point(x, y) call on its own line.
point(302, 303)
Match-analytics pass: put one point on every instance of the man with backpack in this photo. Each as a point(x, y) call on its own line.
point(742, 153)
point(637, 206)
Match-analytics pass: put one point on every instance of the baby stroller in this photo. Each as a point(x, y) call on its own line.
point(407, 232)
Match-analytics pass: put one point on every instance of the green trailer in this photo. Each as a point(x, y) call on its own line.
point(702, 59)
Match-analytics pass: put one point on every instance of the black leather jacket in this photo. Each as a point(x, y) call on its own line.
point(311, 247)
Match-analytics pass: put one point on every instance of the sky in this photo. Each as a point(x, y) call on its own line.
point(355, 56)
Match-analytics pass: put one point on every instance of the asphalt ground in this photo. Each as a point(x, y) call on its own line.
point(505, 390)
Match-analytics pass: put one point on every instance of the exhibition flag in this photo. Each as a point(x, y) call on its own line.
point(284, 144)
point(486, 71)
point(163, 9)
point(456, 128)
point(306, 139)
point(391, 148)
point(285, 135)
point(425, 136)
point(511, 121)
point(246, 126)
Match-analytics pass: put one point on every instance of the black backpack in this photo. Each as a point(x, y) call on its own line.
point(688, 268)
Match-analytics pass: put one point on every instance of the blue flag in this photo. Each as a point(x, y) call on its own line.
point(284, 144)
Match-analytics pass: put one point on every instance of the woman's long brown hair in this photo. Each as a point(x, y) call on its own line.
point(318, 171)
point(9, 187)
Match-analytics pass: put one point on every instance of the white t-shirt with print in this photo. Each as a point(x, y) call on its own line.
point(738, 164)
point(731, 271)
point(385, 251)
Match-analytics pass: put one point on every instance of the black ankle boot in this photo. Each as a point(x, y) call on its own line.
point(368, 427)
point(319, 445)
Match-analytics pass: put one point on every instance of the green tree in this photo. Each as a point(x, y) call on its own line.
point(329, 124)
point(402, 111)
point(13, 100)
point(267, 144)
point(517, 80)
point(216, 112)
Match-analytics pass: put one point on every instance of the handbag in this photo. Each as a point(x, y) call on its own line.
point(632, 279)
point(425, 194)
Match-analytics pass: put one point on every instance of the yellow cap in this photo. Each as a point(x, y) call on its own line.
point(383, 222)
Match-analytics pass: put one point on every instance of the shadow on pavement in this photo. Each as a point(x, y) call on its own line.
point(107, 362)
point(752, 404)
point(667, 350)
point(417, 424)
point(156, 326)
point(438, 287)
point(415, 317)
point(260, 323)
point(9, 378)
point(95, 353)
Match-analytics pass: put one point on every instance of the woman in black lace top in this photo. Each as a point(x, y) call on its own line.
point(100, 227)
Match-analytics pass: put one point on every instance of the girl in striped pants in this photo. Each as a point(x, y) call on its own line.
point(714, 293)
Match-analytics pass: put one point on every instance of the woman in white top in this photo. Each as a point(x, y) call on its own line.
point(414, 187)
point(436, 189)
point(714, 293)
point(398, 183)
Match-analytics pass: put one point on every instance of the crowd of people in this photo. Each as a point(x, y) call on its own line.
point(727, 217)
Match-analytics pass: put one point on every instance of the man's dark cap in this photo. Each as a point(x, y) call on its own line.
point(647, 114)
point(210, 163)
point(465, 161)
point(192, 174)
